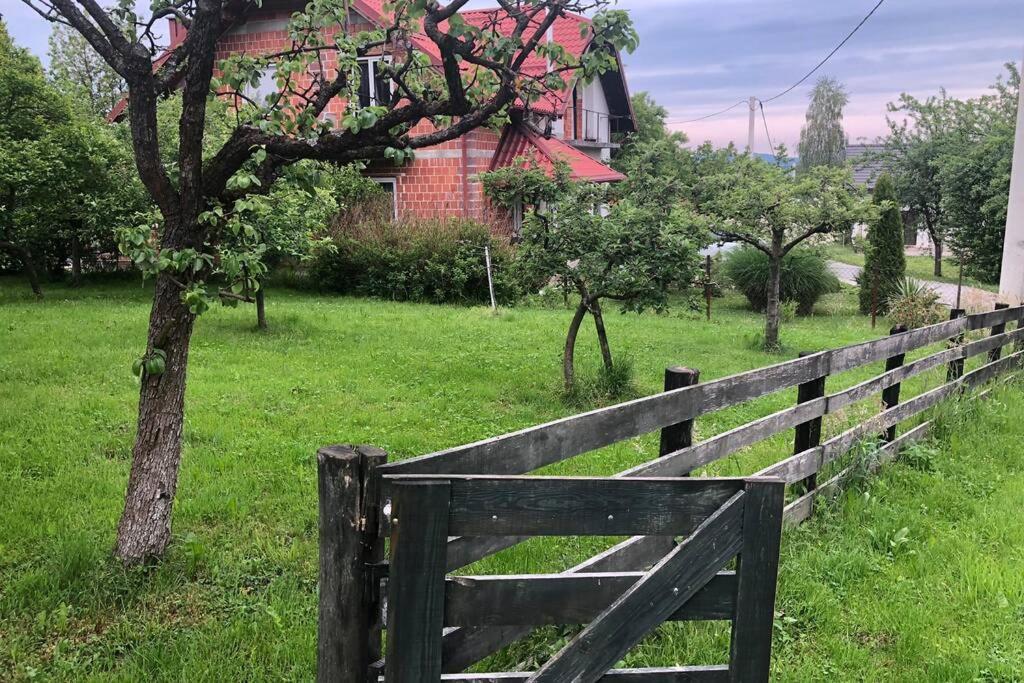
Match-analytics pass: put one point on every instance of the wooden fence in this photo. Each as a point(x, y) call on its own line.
point(460, 505)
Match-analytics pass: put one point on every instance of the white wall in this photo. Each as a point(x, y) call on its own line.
point(1011, 283)
point(595, 114)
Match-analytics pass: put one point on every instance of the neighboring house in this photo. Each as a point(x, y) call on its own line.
point(577, 125)
point(865, 173)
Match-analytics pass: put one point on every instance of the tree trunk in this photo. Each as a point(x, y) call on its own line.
point(772, 312)
point(937, 253)
point(76, 261)
point(145, 527)
point(28, 263)
point(261, 309)
point(568, 364)
point(602, 335)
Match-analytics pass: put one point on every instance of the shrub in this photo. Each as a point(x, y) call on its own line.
point(914, 305)
point(434, 260)
point(805, 277)
point(884, 258)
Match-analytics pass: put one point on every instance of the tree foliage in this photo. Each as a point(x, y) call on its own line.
point(762, 205)
point(950, 161)
point(78, 71)
point(885, 265)
point(632, 250)
point(974, 176)
point(447, 74)
point(66, 181)
point(822, 138)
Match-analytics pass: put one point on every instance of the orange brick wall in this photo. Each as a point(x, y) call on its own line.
point(439, 182)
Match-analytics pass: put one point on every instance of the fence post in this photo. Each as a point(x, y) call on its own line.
point(808, 434)
point(750, 651)
point(996, 353)
point(678, 435)
point(891, 395)
point(955, 370)
point(347, 497)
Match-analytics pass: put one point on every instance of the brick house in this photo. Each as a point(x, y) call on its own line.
point(578, 125)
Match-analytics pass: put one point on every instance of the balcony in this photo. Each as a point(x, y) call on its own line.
point(593, 130)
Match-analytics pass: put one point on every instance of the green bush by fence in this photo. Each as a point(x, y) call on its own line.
point(805, 277)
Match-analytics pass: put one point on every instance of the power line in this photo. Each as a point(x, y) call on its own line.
point(795, 85)
point(765, 120)
point(702, 118)
point(829, 55)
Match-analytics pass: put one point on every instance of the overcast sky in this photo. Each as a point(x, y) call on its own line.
point(699, 56)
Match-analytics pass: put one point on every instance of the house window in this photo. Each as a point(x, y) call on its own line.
point(390, 187)
point(266, 87)
point(374, 85)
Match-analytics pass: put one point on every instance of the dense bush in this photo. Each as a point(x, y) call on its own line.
point(435, 260)
point(914, 305)
point(805, 277)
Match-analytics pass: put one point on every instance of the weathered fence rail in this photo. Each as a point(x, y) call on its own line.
point(481, 505)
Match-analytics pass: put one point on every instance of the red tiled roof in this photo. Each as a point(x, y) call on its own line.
point(520, 143)
point(566, 31)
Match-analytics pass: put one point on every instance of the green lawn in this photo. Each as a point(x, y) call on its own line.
point(235, 599)
point(919, 267)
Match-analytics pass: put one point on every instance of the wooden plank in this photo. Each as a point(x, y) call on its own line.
point(800, 509)
point(857, 355)
point(545, 599)
point(859, 392)
point(676, 674)
point(536, 447)
point(997, 330)
point(416, 580)
point(648, 602)
point(990, 343)
point(796, 467)
point(990, 370)
point(580, 506)
point(842, 443)
point(751, 649)
point(638, 552)
point(980, 321)
point(465, 550)
point(726, 443)
point(463, 647)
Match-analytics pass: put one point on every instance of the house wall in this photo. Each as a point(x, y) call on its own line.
point(439, 182)
point(442, 180)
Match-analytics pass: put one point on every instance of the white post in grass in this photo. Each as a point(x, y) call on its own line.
point(1011, 281)
point(490, 279)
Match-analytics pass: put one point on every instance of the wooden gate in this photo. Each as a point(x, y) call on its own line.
point(716, 520)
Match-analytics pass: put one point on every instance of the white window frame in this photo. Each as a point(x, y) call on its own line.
point(393, 182)
point(371, 73)
point(259, 93)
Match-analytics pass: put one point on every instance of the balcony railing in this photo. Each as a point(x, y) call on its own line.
point(594, 126)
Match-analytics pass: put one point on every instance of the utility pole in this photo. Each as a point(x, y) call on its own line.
point(1011, 280)
point(750, 125)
